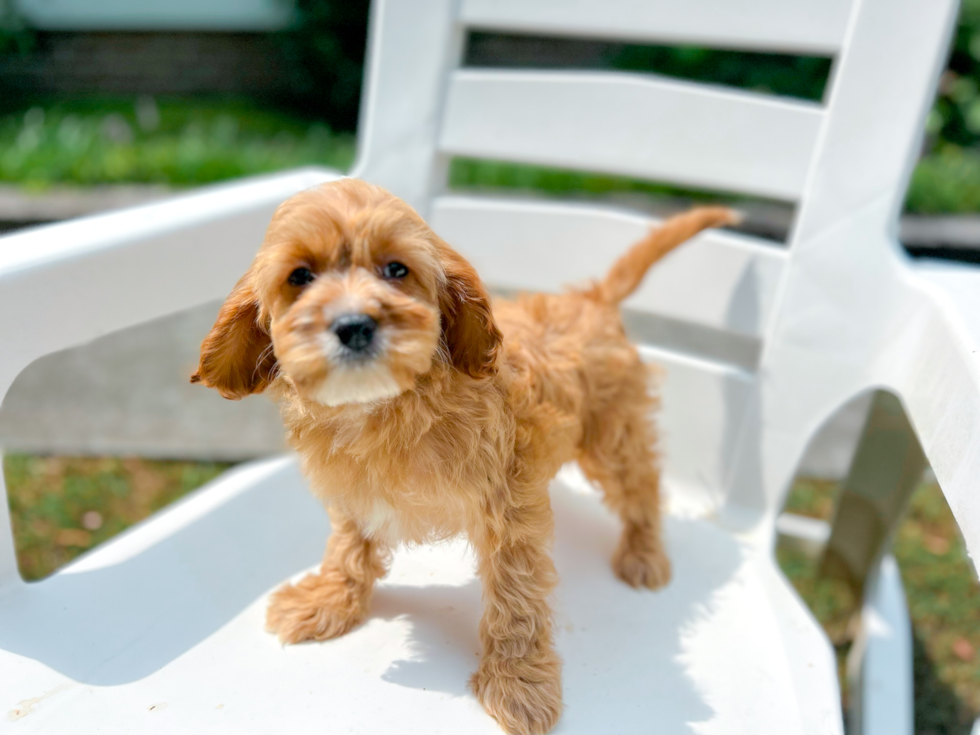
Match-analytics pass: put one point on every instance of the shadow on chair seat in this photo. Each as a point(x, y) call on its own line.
point(140, 627)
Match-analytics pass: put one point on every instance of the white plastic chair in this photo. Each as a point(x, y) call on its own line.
point(160, 630)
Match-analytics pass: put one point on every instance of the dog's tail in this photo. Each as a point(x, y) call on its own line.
point(629, 270)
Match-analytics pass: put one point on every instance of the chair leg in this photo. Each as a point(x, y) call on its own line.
point(886, 469)
point(879, 665)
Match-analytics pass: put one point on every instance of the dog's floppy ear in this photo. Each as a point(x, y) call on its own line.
point(471, 334)
point(236, 356)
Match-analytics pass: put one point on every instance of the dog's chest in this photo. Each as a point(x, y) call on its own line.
point(380, 521)
point(411, 504)
point(413, 488)
point(391, 520)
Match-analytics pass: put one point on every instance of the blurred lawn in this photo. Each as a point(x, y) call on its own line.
point(63, 506)
point(187, 143)
point(180, 143)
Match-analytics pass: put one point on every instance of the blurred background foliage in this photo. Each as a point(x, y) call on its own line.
point(15, 37)
point(325, 47)
point(168, 141)
point(197, 141)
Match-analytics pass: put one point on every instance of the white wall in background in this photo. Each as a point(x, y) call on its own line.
point(156, 15)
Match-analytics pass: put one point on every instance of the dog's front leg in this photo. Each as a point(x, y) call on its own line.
point(328, 604)
point(519, 679)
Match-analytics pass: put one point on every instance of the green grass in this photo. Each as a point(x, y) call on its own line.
point(63, 506)
point(180, 143)
point(194, 142)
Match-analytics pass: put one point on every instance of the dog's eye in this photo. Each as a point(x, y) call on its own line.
point(300, 277)
point(395, 269)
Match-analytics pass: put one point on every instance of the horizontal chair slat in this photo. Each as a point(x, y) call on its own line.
point(644, 127)
point(813, 26)
point(721, 280)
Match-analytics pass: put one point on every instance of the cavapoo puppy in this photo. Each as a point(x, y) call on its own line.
point(421, 411)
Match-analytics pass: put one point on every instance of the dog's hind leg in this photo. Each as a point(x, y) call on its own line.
point(329, 603)
point(618, 454)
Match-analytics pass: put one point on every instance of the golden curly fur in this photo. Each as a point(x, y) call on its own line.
point(454, 422)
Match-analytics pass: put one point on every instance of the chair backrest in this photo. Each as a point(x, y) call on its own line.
point(708, 310)
point(854, 314)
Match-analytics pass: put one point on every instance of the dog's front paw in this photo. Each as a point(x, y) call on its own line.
point(647, 567)
point(523, 695)
point(317, 608)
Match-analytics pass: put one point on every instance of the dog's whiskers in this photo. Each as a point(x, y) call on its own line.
point(263, 356)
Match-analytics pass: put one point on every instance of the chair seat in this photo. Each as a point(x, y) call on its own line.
point(161, 630)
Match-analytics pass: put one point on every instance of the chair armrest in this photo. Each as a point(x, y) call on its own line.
point(942, 390)
point(71, 282)
point(65, 284)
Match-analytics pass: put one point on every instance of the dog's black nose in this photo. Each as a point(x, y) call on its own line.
point(355, 331)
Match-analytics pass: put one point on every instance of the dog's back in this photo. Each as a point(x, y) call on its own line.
point(570, 350)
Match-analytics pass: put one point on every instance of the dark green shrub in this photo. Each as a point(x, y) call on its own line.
point(15, 36)
point(325, 47)
point(956, 116)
